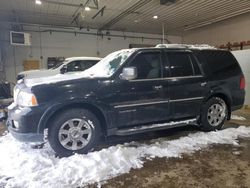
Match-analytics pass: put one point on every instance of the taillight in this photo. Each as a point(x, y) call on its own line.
point(242, 82)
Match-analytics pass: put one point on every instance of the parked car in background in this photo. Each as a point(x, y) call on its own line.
point(130, 91)
point(70, 65)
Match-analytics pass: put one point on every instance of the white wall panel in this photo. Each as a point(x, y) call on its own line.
point(243, 57)
point(231, 30)
point(67, 45)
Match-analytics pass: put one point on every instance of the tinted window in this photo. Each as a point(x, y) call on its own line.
point(74, 66)
point(148, 65)
point(180, 64)
point(220, 63)
point(85, 64)
point(80, 65)
point(196, 67)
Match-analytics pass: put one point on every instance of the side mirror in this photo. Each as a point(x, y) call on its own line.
point(128, 73)
point(63, 69)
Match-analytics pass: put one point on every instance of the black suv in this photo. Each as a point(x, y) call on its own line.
point(130, 91)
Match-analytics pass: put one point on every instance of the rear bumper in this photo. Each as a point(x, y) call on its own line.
point(238, 99)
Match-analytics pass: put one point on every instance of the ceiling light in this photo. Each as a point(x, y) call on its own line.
point(38, 2)
point(87, 8)
point(155, 17)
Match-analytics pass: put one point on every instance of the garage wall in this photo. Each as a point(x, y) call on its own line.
point(67, 45)
point(243, 57)
point(231, 30)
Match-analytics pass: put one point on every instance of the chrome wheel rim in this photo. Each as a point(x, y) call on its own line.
point(75, 134)
point(216, 114)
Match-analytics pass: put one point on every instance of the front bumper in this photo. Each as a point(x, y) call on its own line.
point(26, 137)
point(23, 123)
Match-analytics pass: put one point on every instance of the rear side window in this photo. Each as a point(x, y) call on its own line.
point(180, 64)
point(220, 63)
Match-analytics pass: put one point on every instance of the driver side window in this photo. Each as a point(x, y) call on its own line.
point(74, 66)
point(148, 65)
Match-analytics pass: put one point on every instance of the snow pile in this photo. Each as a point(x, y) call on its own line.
point(108, 65)
point(22, 166)
point(30, 82)
point(236, 117)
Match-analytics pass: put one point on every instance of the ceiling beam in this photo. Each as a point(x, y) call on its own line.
point(217, 19)
point(67, 4)
point(125, 13)
point(101, 11)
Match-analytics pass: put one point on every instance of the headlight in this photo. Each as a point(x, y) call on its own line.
point(26, 99)
point(16, 92)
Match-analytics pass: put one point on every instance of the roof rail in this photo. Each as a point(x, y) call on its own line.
point(186, 46)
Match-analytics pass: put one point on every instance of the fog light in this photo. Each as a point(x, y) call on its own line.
point(16, 124)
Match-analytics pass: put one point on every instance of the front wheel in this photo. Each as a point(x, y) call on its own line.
point(74, 131)
point(214, 114)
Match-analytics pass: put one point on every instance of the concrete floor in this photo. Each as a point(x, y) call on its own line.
point(218, 166)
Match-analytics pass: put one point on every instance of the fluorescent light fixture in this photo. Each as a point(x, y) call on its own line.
point(87, 8)
point(155, 17)
point(38, 2)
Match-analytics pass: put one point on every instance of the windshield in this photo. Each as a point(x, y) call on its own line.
point(108, 65)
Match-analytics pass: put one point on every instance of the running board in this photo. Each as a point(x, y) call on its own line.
point(154, 127)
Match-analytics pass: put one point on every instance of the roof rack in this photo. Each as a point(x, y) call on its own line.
point(186, 46)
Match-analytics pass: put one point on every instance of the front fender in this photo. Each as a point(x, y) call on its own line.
point(55, 108)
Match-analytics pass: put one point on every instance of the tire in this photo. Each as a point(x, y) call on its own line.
point(74, 131)
point(214, 114)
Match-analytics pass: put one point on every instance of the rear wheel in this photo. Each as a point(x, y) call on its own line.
point(214, 114)
point(74, 131)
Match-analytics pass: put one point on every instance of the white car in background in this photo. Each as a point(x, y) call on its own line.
point(70, 65)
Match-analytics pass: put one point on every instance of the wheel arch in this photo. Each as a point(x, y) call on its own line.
point(54, 111)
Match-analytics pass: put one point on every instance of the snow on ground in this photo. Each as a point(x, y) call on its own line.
point(22, 166)
point(236, 117)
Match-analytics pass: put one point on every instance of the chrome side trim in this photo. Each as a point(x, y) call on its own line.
point(186, 99)
point(158, 102)
point(140, 104)
point(197, 76)
point(143, 128)
point(169, 78)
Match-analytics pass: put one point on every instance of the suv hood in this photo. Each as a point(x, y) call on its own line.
point(30, 82)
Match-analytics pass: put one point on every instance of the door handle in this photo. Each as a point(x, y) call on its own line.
point(158, 87)
point(203, 84)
